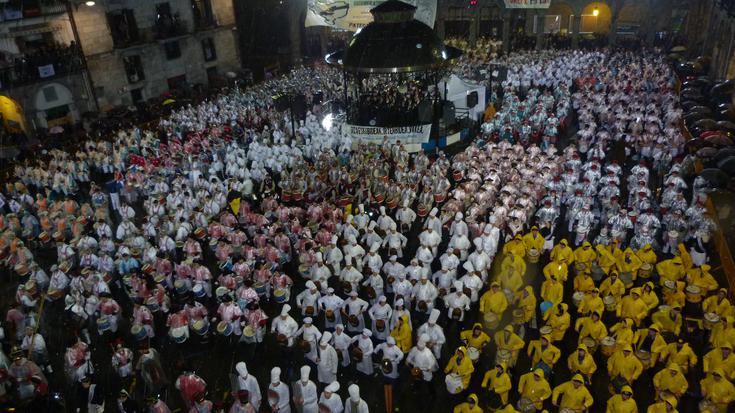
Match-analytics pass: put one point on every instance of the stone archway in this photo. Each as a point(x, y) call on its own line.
point(54, 105)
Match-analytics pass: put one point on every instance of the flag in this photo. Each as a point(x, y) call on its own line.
point(235, 205)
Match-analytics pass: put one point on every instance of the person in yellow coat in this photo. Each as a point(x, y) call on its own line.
point(534, 240)
point(670, 380)
point(558, 269)
point(723, 332)
point(718, 390)
point(552, 290)
point(591, 327)
point(669, 320)
point(533, 386)
point(701, 277)
point(671, 269)
point(717, 303)
point(403, 334)
point(583, 282)
point(722, 359)
point(612, 286)
point(559, 321)
point(649, 339)
point(572, 395)
point(629, 264)
point(508, 340)
point(648, 295)
point(674, 293)
point(647, 255)
point(494, 301)
point(544, 355)
point(582, 362)
point(472, 405)
point(623, 333)
point(515, 246)
point(667, 405)
point(592, 303)
point(623, 363)
point(584, 255)
point(475, 338)
point(526, 301)
point(680, 353)
point(515, 262)
point(686, 258)
point(511, 279)
point(461, 365)
point(631, 306)
point(562, 251)
point(623, 402)
point(606, 256)
point(497, 381)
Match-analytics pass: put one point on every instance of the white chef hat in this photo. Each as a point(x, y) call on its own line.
point(424, 338)
point(375, 247)
point(371, 225)
point(308, 320)
point(310, 285)
point(354, 391)
point(334, 239)
point(433, 212)
point(275, 375)
point(457, 285)
point(458, 216)
point(361, 208)
point(393, 226)
point(399, 302)
point(468, 266)
point(325, 337)
point(242, 369)
point(333, 387)
point(393, 257)
point(382, 298)
point(434, 316)
point(390, 340)
point(339, 326)
point(285, 309)
point(367, 332)
point(305, 371)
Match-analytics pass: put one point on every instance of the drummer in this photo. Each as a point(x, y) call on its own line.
point(544, 355)
point(534, 388)
point(380, 314)
point(461, 365)
point(391, 357)
point(307, 300)
point(331, 304)
point(311, 335)
point(353, 308)
point(497, 382)
point(507, 340)
point(583, 363)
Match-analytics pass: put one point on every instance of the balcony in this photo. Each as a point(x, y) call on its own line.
point(166, 28)
point(26, 9)
point(40, 66)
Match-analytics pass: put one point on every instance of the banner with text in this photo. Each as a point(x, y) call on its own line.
point(527, 4)
point(408, 135)
point(353, 15)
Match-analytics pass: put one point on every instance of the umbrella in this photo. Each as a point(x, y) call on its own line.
point(678, 49)
point(707, 152)
point(168, 102)
point(724, 153)
point(719, 140)
point(56, 129)
point(715, 177)
point(727, 165)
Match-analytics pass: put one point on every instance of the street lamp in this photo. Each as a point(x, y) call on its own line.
point(89, 3)
point(595, 12)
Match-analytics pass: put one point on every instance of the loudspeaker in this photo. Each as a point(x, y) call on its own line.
point(472, 99)
point(448, 112)
point(424, 111)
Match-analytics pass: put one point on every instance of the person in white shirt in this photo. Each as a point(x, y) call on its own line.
point(354, 308)
point(328, 361)
point(331, 304)
point(380, 314)
point(457, 303)
point(364, 343)
point(330, 399)
point(285, 325)
point(278, 393)
point(391, 356)
point(304, 392)
point(435, 334)
point(245, 381)
point(311, 335)
point(354, 404)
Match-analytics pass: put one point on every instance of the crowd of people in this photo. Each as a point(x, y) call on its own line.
point(333, 262)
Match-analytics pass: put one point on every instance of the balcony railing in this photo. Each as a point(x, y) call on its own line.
point(40, 67)
point(29, 9)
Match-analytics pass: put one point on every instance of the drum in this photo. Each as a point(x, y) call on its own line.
point(280, 295)
point(491, 320)
point(21, 269)
point(323, 408)
point(503, 356)
point(567, 410)
point(201, 327)
point(422, 306)
point(153, 305)
point(439, 198)
point(706, 406)
point(645, 358)
point(607, 346)
point(710, 320)
point(370, 292)
point(213, 246)
point(159, 278)
point(454, 383)
point(304, 345)
point(380, 325)
point(694, 294)
point(421, 211)
point(224, 328)
point(259, 288)
point(591, 344)
point(344, 201)
point(494, 402)
point(416, 373)
point(198, 291)
point(58, 236)
point(627, 278)
point(577, 298)
point(597, 272)
point(346, 287)
point(273, 397)
point(297, 196)
point(633, 216)
point(178, 334)
point(103, 324)
point(442, 292)
point(580, 267)
point(616, 385)
point(180, 287)
point(457, 175)
point(474, 354)
point(392, 203)
point(545, 367)
point(282, 340)
point(525, 405)
point(221, 292)
point(329, 314)
point(456, 313)
point(518, 316)
point(533, 255)
point(610, 303)
point(645, 270)
point(138, 332)
point(386, 366)
point(356, 354)
point(545, 330)
point(44, 237)
point(286, 195)
point(55, 294)
point(353, 320)
point(148, 269)
point(379, 198)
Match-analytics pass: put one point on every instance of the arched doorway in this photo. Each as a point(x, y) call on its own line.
point(54, 105)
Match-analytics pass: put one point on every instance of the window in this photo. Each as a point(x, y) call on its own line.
point(133, 68)
point(123, 28)
point(173, 51)
point(201, 10)
point(137, 95)
point(167, 23)
point(49, 93)
point(176, 82)
point(210, 53)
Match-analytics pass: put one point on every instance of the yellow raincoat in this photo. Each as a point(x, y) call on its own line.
point(507, 339)
point(466, 407)
point(702, 278)
point(661, 407)
point(586, 367)
point(718, 390)
point(463, 367)
point(498, 382)
point(668, 323)
point(722, 333)
point(511, 279)
point(670, 380)
point(403, 334)
point(684, 357)
point(671, 269)
point(613, 287)
point(562, 251)
point(628, 262)
point(686, 258)
point(494, 300)
point(592, 303)
point(616, 404)
point(558, 269)
point(648, 295)
point(568, 396)
point(606, 256)
point(585, 254)
point(715, 360)
point(534, 386)
point(588, 327)
point(534, 240)
point(626, 366)
point(549, 355)
point(515, 247)
point(479, 342)
point(657, 345)
point(552, 290)
point(623, 333)
point(646, 255)
point(527, 302)
point(513, 261)
point(559, 320)
point(583, 282)
point(632, 307)
point(718, 303)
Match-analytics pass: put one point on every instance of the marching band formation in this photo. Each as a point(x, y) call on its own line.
point(338, 262)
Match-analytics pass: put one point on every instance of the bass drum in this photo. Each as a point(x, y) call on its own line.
point(525, 405)
point(454, 383)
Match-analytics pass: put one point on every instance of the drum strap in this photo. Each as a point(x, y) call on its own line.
point(647, 342)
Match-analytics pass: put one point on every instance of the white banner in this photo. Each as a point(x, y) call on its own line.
point(354, 14)
point(527, 4)
point(46, 71)
point(408, 135)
